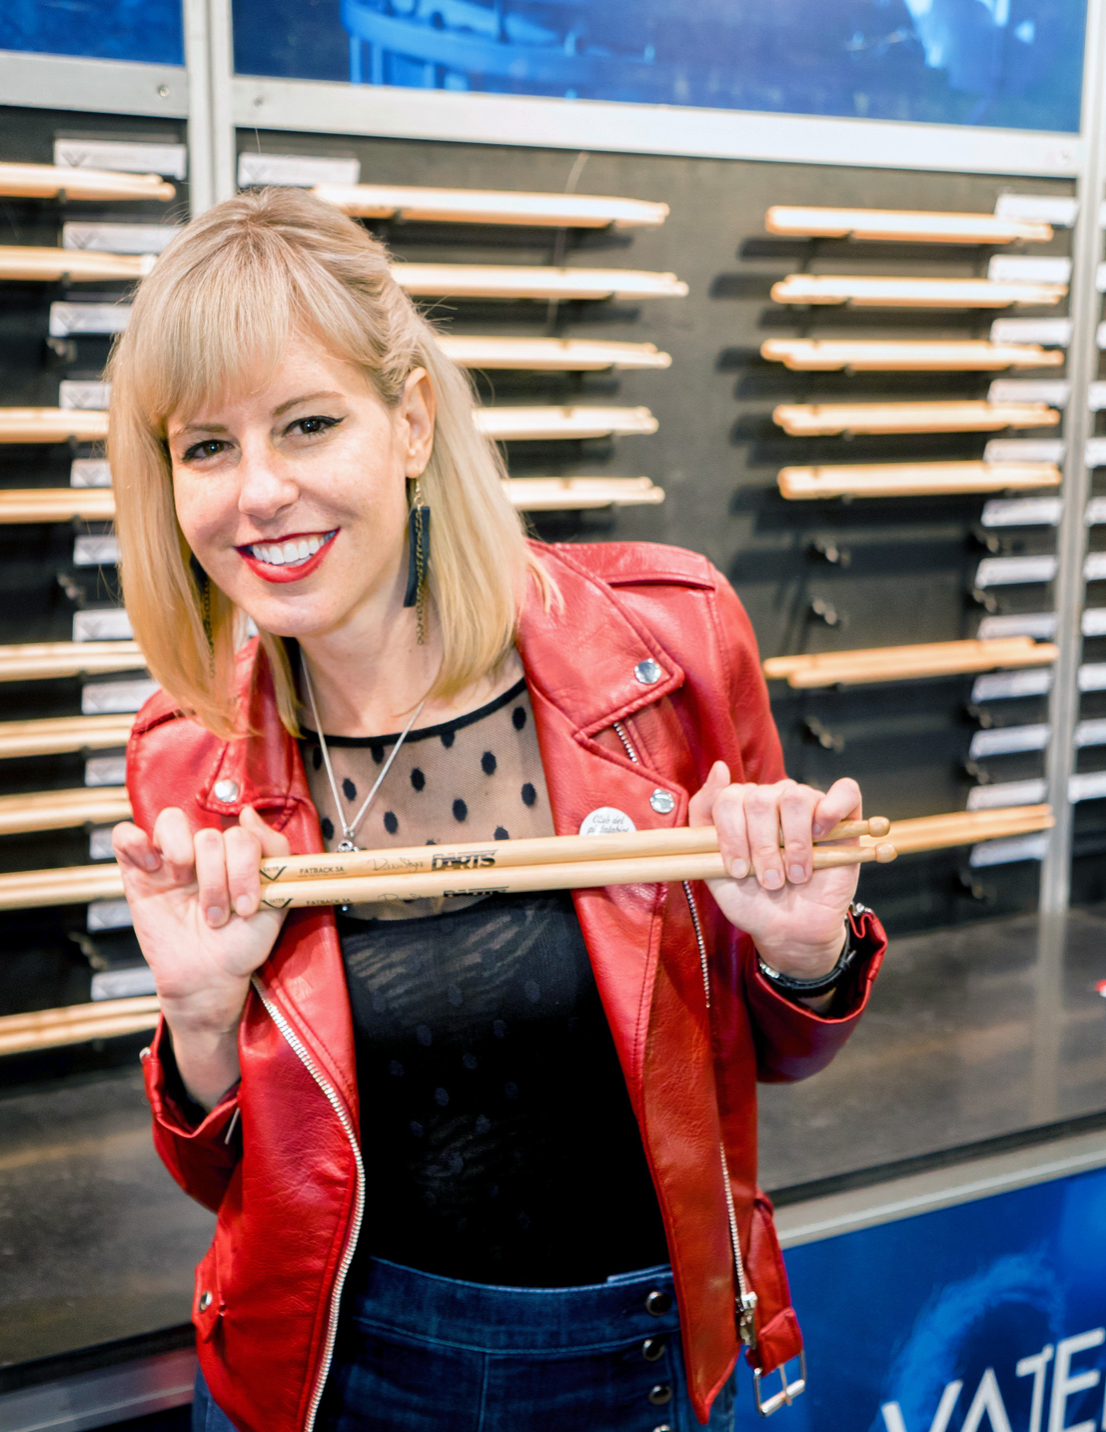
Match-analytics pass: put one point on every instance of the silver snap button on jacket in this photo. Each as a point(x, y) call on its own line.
point(226, 791)
point(205, 1302)
point(663, 802)
point(648, 672)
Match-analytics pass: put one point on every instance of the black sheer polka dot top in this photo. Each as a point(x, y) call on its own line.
point(494, 1114)
point(476, 778)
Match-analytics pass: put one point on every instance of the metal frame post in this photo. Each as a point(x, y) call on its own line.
point(223, 138)
point(208, 53)
point(1072, 535)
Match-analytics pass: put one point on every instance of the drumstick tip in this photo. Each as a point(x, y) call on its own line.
point(878, 825)
point(885, 852)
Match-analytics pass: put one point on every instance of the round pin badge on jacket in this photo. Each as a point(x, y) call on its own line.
point(607, 820)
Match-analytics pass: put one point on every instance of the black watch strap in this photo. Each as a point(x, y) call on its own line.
point(812, 989)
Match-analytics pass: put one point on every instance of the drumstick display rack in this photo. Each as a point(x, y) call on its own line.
point(884, 406)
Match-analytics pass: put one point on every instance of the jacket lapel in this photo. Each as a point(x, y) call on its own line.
point(641, 938)
point(579, 687)
point(304, 974)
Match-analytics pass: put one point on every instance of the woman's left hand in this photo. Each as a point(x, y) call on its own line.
point(795, 915)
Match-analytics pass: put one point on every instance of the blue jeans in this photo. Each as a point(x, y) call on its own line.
point(418, 1353)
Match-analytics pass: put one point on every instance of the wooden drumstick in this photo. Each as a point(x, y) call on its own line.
point(579, 875)
point(543, 850)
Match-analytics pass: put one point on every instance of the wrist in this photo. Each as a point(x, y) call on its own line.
point(209, 1017)
point(206, 1062)
point(806, 962)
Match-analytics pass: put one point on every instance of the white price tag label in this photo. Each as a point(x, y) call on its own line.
point(122, 155)
point(1058, 209)
point(1028, 268)
point(118, 238)
point(297, 171)
point(84, 395)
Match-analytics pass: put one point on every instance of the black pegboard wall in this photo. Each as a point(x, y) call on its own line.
point(910, 561)
point(49, 957)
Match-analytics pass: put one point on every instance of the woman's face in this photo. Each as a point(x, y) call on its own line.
point(293, 497)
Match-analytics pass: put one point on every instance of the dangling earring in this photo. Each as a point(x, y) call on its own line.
point(418, 561)
point(203, 587)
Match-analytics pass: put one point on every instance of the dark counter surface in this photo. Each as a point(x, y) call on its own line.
point(973, 1033)
point(96, 1240)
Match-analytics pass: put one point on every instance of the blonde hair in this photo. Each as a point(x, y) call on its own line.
point(218, 310)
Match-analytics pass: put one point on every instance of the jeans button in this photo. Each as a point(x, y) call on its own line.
point(652, 1349)
point(664, 1427)
point(658, 1303)
point(660, 1394)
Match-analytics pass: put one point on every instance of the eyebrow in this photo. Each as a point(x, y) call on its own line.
point(277, 413)
point(304, 398)
point(200, 428)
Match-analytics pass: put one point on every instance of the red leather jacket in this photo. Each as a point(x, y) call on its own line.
point(279, 1158)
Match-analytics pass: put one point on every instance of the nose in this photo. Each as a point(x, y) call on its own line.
point(265, 483)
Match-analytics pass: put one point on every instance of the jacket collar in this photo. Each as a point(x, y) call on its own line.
point(584, 657)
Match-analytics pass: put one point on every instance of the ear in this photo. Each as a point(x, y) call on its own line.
point(416, 413)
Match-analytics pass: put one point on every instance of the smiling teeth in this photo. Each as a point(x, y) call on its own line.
point(289, 554)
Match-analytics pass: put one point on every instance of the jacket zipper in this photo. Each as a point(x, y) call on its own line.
point(336, 1104)
point(746, 1298)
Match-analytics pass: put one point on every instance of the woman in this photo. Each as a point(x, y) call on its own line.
point(488, 1164)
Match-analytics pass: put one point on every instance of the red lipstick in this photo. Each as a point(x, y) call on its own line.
point(287, 573)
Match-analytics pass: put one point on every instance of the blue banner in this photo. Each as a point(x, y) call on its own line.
point(986, 1317)
point(1014, 63)
point(147, 30)
point(1011, 63)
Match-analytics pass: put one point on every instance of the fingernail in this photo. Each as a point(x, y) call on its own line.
point(152, 862)
point(739, 869)
point(215, 915)
point(771, 879)
point(242, 906)
point(819, 829)
point(796, 874)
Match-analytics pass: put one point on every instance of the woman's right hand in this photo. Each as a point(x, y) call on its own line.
point(194, 899)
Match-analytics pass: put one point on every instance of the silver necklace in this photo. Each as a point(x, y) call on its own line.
point(349, 828)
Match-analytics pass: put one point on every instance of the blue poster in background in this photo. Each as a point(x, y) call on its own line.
point(987, 1317)
point(1014, 63)
point(1011, 63)
point(147, 30)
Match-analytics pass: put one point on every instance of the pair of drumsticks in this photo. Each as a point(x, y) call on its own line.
point(556, 862)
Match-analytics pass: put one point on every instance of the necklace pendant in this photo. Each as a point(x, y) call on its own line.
point(346, 847)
